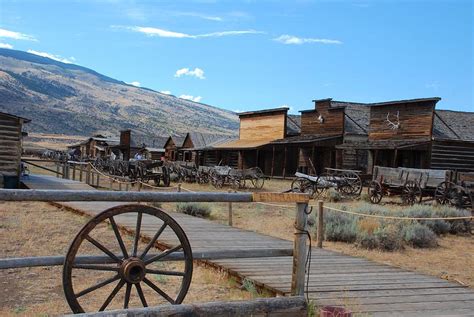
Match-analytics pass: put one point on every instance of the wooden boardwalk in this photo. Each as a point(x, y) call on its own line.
point(335, 279)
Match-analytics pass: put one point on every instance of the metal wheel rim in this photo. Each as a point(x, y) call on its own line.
point(108, 214)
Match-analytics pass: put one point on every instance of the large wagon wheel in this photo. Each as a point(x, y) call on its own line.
point(217, 180)
point(352, 184)
point(127, 267)
point(258, 180)
point(375, 192)
point(445, 193)
point(411, 193)
point(303, 185)
point(462, 198)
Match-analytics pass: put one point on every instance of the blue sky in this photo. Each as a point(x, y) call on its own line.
point(248, 55)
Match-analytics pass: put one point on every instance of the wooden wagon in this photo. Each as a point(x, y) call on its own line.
point(237, 178)
point(412, 184)
point(459, 192)
point(146, 170)
point(344, 181)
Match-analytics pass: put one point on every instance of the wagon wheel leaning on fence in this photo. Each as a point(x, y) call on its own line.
point(127, 267)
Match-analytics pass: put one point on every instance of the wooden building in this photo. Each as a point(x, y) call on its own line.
point(171, 147)
point(257, 130)
point(11, 135)
point(128, 145)
point(199, 148)
point(95, 146)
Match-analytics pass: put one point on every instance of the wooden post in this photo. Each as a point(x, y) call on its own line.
point(139, 187)
point(126, 187)
point(284, 163)
point(81, 169)
point(230, 212)
point(273, 161)
point(74, 172)
point(57, 169)
point(120, 186)
point(64, 170)
point(179, 187)
point(98, 180)
point(88, 174)
point(111, 183)
point(299, 251)
point(395, 154)
point(320, 232)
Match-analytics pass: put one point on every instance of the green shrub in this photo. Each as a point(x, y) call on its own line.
point(456, 226)
point(340, 227)
point(419, 236)
point(333, 195)
point(366, 240)
point(388, 238)
point(426, 211)
point(194, 209)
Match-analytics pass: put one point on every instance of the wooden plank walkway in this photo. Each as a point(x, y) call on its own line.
point(335, 279)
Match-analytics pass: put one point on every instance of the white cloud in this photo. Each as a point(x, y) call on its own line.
point(166, 92)
point(192, 98)
point(16, 35)
point(294, 40)
point(6, 45)
point(58, 58)
point(135, 83)
point(150, 31)
point(197, 72)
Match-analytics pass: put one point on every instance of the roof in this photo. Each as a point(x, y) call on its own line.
point(393, 144)
point(393, 102)
point(453, 125)
point(203, 141)
point(307, 138)
point(293, 124)
point(242, 144)
point(154, 149)
point(265, 111)
point(14, 117)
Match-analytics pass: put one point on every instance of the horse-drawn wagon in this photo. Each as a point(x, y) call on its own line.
point(237, 178)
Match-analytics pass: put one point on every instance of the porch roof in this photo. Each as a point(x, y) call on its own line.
point(242, 144)
point(308, 138)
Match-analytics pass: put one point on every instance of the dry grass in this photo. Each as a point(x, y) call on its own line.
point(34, 229)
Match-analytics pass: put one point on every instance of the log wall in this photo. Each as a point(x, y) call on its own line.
point(453, 155)
point(10, 145)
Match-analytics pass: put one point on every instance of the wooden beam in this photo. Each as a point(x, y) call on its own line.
point(280, 197)
point(299, 251)
point(273, 161)
point(284, 164)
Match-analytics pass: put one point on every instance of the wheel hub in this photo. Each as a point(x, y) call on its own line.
point(133, 270)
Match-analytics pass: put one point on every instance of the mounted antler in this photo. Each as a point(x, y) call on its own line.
point(392, 125)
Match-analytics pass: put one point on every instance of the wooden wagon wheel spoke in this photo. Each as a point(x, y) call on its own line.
point(162, 272)
point(117, 288)
point(97, 286)
point(119, 237)
point(159, 290)
point(153, 241)
point(126, 300)
point(130, 270)
point(137, 234)
point(141, 295)
point(102, 248)
point(164, 254)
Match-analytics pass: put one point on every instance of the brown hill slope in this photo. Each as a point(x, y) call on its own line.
point(70, 99)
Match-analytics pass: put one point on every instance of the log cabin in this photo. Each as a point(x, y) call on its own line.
point(95, 146)
point(198, 148)
point(11, 136)
point(171, 147)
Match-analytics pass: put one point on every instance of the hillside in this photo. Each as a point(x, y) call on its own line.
point(73, 100)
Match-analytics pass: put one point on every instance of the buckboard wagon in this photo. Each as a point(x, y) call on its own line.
point(344, 181)
point(237, 178)
point(420, 185)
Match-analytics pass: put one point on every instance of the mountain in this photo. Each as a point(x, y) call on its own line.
point(74, 100)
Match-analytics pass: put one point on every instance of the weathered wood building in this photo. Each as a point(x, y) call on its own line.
point(11, 135)
point(95, 146)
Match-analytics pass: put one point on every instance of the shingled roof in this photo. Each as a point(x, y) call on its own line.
point(453, 125)
point(203, 141)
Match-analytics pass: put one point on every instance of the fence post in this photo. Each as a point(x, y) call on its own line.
point(98, 180)
point(126, 187)
point(111, 183)
point(120, 185)
point(230, 212)
point(320, 232)
point(139, 188)
point(299, 251)
point(57, 169)
point(64, 170)
point(179, 187)
point(73, 172)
